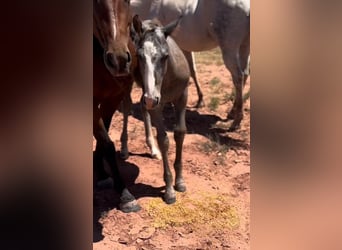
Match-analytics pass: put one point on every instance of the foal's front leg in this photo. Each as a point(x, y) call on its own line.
point(179, 134)
point(163, 142)
point(155, 153)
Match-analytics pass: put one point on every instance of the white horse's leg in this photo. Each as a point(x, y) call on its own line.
point(245, 57)
point(155, 153)
point(192, 66)
point(244, 54)
point(231, 28)
point(232, 63)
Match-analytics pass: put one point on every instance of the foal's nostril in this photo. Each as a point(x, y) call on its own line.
point(150, 103)
point(156, 101)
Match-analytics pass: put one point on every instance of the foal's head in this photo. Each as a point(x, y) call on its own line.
point(152, 51)
point(112, 19)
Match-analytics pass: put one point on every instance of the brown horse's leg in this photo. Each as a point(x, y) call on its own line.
point(107, 110)
point(106, 146)
point(163, 143)
point(179, 133)
point(126, 108)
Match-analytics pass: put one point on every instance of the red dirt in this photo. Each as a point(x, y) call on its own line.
point(206, 169)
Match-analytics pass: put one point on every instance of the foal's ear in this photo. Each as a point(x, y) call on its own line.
point(168, 29)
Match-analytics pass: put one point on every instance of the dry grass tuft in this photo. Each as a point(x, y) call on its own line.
point(213, 56)
point(212, 210)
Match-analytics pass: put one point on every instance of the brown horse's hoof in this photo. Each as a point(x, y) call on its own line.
point(130, 207)
point(231, 115)
point(124, 155)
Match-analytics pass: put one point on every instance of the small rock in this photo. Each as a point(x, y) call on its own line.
point(139, 241)
point(146, 233)
point(135, 230)
point(123, 241)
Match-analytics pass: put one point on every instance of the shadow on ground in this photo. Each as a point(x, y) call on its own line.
point(105, 198)
point(201, 124)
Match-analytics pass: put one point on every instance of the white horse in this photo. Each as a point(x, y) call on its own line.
point(205, 25)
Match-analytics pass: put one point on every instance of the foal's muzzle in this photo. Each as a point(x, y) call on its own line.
point(150, 103)
point(119, 63)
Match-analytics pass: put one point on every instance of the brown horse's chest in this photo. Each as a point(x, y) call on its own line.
point(106, 86)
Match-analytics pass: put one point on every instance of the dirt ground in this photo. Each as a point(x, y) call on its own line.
point(216, 164)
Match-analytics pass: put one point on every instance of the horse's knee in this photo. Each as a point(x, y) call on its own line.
point(179, 133)
point(163, 140)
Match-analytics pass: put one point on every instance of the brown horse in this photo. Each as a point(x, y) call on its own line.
point(112, 64)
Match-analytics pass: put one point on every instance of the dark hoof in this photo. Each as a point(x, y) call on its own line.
point(105, 184)
point(230, 116)
point(169, 200)
point(200, 104)
point(233, 128)
point(180, 187)
point(130, 207)
point(124, 155)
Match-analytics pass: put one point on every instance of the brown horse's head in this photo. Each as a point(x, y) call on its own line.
point(112, 19)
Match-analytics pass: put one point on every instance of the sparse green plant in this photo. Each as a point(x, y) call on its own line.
point(214, 146)
point(228, 97)
point(214, 103)
point(215, 81)
point(246, 96)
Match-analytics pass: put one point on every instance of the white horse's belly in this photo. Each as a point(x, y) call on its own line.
point(191, 42)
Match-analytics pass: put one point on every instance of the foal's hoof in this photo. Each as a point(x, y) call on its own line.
point(129, 207)
point(156, 155)
point(180, 187)
point(169, 199)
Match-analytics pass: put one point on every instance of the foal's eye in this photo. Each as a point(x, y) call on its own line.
point(127, 1)
point(165, 57)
